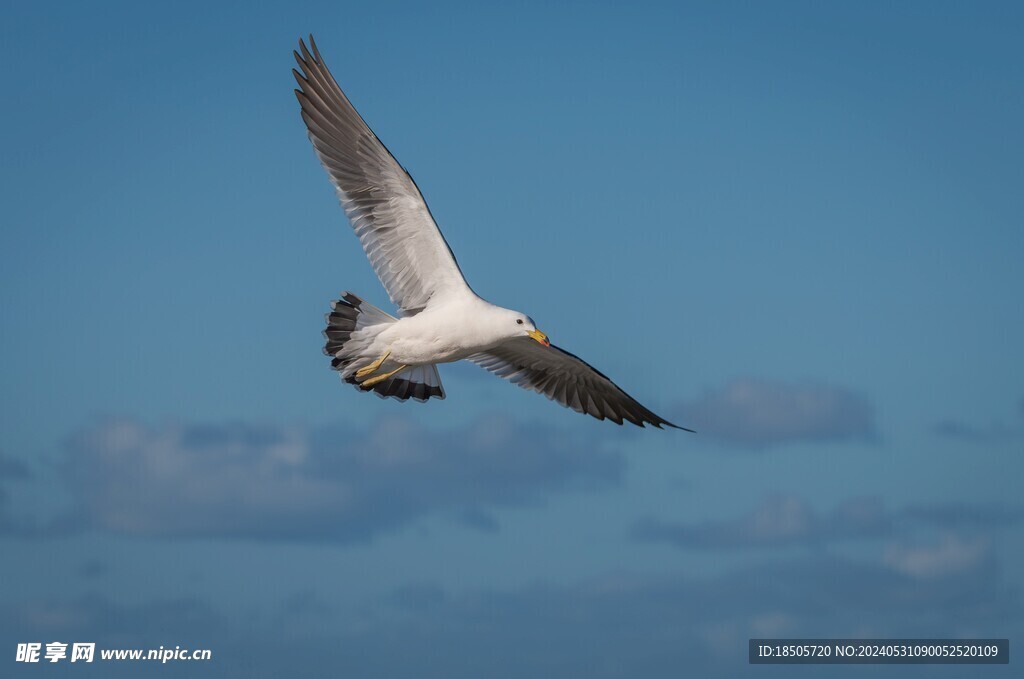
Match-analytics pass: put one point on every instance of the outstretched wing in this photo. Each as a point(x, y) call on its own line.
point(384, 205)
point(567, 379)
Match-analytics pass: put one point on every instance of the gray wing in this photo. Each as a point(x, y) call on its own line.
point(384, 205)
point(567, 379)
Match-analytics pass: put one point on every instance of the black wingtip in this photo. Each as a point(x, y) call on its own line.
point(674, 426)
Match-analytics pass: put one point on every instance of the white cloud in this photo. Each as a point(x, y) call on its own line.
point(951, 555)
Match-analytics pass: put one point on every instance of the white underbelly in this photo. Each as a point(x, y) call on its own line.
point(409, 352)
point(440, 335)
point(409, 347)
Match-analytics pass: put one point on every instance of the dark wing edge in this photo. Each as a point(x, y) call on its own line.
point(568, 380)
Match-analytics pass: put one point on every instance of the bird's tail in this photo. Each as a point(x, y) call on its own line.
point(352, 325)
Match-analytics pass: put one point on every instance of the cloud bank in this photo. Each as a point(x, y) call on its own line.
point(992, 433)
point(996, 432)
point(779, 521)
point(341, 484)
point(757, 413)
point(786, 520)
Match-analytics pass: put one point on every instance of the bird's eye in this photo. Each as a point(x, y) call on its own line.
point(519, 321)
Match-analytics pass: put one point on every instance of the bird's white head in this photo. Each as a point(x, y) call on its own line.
point(519, 325)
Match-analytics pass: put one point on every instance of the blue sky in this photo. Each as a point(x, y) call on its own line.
point(796, 228)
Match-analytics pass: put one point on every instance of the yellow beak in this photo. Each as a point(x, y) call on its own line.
point(540, 337)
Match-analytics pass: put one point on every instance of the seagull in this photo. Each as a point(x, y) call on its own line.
point(441, 319)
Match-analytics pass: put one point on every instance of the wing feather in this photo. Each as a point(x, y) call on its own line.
point(567, 379)
point(382, 202)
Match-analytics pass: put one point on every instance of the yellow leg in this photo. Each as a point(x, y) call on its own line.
point(373, 367)
point(380, 378)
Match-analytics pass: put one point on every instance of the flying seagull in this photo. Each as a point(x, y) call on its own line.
point(441, 318)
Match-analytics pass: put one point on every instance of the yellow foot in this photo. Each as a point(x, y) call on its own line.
point(380, 378)
point(373, 367)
